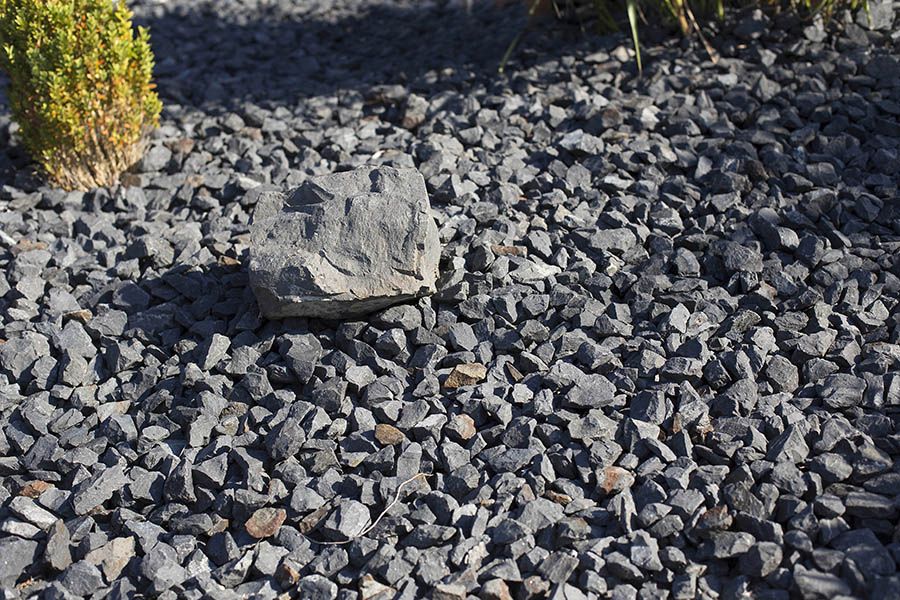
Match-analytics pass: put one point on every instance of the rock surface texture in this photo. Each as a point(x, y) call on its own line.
point(662, 361)
point(343, 245)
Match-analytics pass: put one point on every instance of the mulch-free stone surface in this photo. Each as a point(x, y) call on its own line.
point(683, 290)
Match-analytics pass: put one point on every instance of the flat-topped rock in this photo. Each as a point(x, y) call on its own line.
point(343, 245)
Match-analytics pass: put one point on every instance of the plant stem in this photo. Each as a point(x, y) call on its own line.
point(515, 40)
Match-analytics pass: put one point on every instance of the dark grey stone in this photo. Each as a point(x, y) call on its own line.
point(97, 489)
point(301, 352)
point(162, 569)
point(82, 578)
point(16, 556)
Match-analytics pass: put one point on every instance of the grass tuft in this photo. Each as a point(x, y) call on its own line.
point(676, 13)
point(632, 20)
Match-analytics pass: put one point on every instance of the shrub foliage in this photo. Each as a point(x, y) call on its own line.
point(80, 86)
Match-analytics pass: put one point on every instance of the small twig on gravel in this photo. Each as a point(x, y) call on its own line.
point(713, 55)
point(377, 520)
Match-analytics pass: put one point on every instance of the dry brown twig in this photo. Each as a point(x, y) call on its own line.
point(713, 55)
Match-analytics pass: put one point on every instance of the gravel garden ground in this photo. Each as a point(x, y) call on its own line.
point(663, 362)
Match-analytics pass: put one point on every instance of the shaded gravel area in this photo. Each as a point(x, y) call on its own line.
point(663, 362)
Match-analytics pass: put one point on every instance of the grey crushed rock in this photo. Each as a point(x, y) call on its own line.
point(660, 357)
point(97, 489)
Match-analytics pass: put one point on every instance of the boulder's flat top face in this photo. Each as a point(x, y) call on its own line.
point(344, 244)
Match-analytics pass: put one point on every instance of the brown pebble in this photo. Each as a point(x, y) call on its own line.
point(219, 525)
point(466, 374)
point(514, 373)
point(227, 261)
point(716, 518)
point(388, 435)
point(26, 246)
point(195, 180)
point(411, 121)
point(265, 522)
point(82, 316)
point(449, 591)
point(34, 489)
point(254, 133)
point(131, 180)
point(309, 522)
point(557, 497)
point(615, 479)
point(287, 574)
point(372, 589)
point(462, 426)
point(535, 587)
point(112, 557)
point(181, 145)
point(509, 250)
point(495, 589)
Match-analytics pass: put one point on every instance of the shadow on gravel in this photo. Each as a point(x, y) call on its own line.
point(209, 57)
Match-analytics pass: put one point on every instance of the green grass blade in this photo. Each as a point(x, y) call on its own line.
point(515, 41)
point(632, 19)
point(605, 21)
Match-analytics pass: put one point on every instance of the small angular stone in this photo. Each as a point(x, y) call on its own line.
point(317, 587)
point(465, 374)
point(34, 489)
point(161, 567)
point(783, 374)
point(265, 522)
point(348, 520)
point(615, 479)
point(113, 557)
point(462, 337)
point(815, 585)
point(27, 509)
point(495, 589)
point(388, 435)
point(449, 591)
point(591, 392)
point(81, 578)
point(461, 427)
point(94, 491)
point(558, 566)
point(212, 351)
point(57, 552)
point(372, 589)
point(301, 352)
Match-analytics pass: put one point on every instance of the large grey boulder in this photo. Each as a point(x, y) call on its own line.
point(343, 245)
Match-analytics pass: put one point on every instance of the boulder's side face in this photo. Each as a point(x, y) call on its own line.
point(343, 245)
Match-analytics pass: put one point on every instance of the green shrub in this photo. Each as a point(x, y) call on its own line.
point(80, 86)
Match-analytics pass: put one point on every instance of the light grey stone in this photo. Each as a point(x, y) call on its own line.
point(344, 244)
point(16, 555)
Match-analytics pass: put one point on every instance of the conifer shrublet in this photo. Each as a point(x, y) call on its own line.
point(80, 86)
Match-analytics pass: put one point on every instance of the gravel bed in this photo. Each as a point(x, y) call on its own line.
point(663, 361)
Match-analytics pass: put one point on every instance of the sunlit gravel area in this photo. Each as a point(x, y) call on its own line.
point(663, 360)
